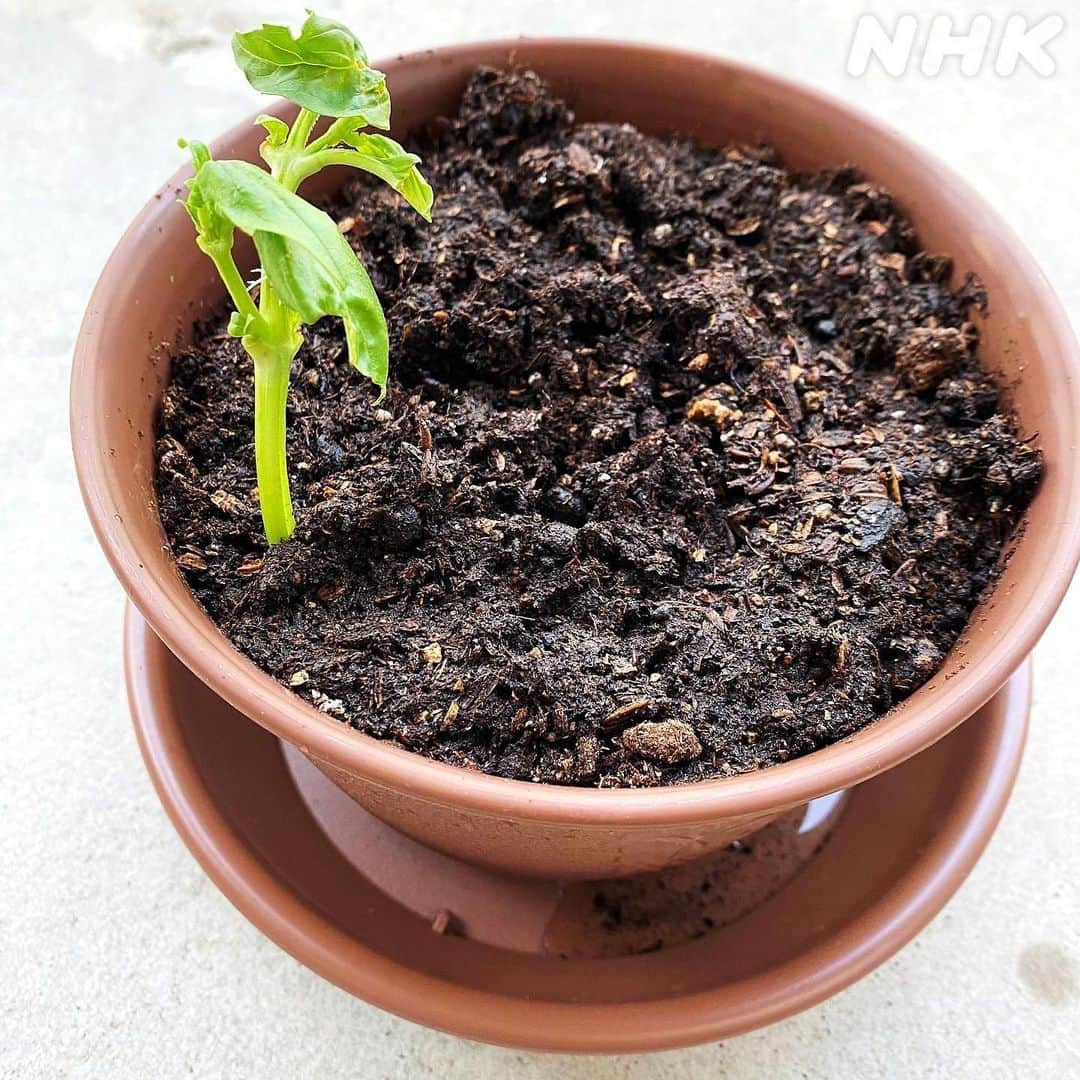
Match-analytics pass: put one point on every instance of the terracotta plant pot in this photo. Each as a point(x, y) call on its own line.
point(157, 283)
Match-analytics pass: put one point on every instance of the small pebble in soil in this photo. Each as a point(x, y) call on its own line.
point(669, 742)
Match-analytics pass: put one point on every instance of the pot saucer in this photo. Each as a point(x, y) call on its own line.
point(698, 953)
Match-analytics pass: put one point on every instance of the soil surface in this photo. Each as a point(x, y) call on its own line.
point(687, 466)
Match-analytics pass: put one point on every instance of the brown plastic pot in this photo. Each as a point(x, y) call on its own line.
point(157, 282)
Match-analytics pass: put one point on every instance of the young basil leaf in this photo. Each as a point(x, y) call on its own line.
point(213, 230)
point(277, 131)
point(273, 150)
point(324, 69)
point(303, 255)
point(313, 290)
point(391, 162)
point(239, 325)
point(200, 152)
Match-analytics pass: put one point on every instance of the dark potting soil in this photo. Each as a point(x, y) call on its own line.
point(687, 466)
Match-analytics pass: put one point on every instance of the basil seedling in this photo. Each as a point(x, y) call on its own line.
point(307, 268)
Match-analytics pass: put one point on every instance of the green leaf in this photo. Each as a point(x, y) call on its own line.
point(313, 290)
point(391, 162)
point(324, 69)
point(214, 230)
point(303, 255)
point(239, 325)
point(277, 131)
point(200, 152)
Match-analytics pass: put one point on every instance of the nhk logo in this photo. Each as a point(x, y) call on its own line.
point(1003, 45)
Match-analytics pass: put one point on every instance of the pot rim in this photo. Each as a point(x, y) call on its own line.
point(932, 712)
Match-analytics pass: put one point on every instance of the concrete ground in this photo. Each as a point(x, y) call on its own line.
point(118, 958)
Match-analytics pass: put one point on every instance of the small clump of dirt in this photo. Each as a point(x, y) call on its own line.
point(687, 466)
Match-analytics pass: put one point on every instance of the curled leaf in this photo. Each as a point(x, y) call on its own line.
point(200, 152)
point(239, 325)
point(277, 131)
point(213, 229)
point(391, 162)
